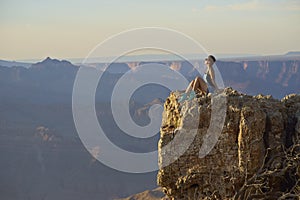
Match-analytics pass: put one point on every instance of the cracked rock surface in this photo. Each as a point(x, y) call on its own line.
point(230, 146)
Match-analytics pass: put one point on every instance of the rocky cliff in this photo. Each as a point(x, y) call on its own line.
point(230, 146)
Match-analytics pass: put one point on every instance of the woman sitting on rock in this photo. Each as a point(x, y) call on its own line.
point(199, 85)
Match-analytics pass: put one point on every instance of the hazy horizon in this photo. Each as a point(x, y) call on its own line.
point(132, 56)
point(157, 58)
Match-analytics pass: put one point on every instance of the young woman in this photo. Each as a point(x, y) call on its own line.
point(202, 86)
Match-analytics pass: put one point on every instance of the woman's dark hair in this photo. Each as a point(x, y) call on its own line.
point(212, 57)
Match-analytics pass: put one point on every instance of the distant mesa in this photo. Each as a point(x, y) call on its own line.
point(5, 63)
point(53, 63)
point(49, 60)
point(293, 53)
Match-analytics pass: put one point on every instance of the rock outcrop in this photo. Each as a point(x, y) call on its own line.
point(230, 146)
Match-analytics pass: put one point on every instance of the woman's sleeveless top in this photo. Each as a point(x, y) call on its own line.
point(209, 83)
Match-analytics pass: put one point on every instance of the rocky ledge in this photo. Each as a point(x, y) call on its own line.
point(230, 146)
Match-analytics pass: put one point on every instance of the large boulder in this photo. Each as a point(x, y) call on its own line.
point(230, 146)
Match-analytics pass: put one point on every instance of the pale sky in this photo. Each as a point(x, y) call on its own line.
point(35, 29)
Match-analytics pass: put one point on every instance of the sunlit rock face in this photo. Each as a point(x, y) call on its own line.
point(256, 153)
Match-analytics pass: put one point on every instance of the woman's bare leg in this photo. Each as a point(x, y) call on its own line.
point(200, 85)
point(190, 87)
